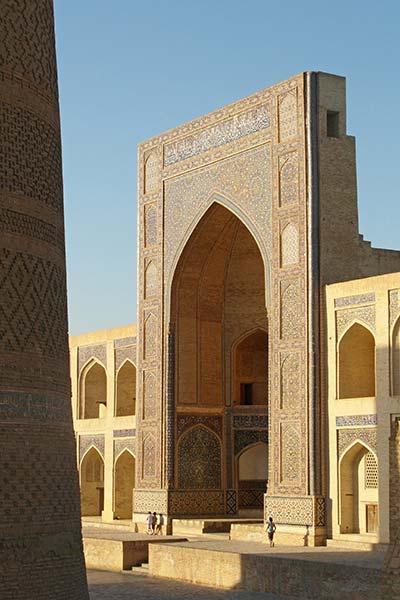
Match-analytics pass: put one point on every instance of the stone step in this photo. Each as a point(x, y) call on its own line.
point(253, 532)
point(142, 569)
point(207, 526)
point(360, 543)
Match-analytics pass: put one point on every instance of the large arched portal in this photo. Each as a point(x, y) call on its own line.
point(219, 317)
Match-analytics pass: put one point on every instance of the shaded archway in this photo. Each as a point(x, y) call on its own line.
point(252, 471)
point(93, 391)
point(217, 295)
point(356, 363)
point(396, 359)
point(124, 483)
point(250, 369)
point(126, 390)
point(92, 483)
point(358, 490)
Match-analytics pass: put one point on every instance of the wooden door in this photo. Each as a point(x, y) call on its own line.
point(372, 518)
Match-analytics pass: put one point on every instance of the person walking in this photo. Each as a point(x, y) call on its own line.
point(270, 529)
point(160, 524)
point(154, 523)
point(149, 520)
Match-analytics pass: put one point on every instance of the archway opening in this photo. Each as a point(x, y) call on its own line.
point(357, 363)
point(124, 482)
point(252, 470)
point(359, 491)
point(126, 390)
point(396, 359)
point(217, 296)
point(250, 378)
point(92, 483)
point(93, 391)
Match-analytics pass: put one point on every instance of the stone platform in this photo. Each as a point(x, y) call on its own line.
point(112, 550)
point(313, 572)
point(205, 525)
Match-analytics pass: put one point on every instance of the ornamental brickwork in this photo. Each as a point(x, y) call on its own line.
point(41, 547)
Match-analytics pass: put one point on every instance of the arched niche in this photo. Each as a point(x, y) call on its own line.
point(250, 369)
point(92, 483)
point(126, 390)
point(396, 358)
point(217, 294)
point(199, 459)
point(358, 475)
point(124, 483)
point(356, 363)
point(252, 472)
point(93, 390)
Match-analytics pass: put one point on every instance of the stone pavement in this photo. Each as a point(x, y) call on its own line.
point(104, 585)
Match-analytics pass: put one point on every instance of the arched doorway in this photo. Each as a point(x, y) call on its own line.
point(250, 366)
point(217, 298)
point(357, 363)
point(126, 390)
point(124, 483)
point(358, 490)
point(92, 483)
point(93, 391)
point(252, 469)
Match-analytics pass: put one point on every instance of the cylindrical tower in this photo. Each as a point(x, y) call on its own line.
point(40, 536)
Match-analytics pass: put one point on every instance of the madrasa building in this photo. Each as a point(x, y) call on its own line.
point(264, 374)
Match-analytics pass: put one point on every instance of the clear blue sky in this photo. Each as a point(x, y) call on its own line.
point(131, 69)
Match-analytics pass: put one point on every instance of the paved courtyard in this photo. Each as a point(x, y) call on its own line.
point(117, 586)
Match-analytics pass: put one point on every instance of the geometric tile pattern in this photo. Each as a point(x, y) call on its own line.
point(85, 352)
point(354, 420)
point(88, 441)
point(365, 314)
point(289, 245)
point(358, 299)
point(200, 502)
point(22, 406)
point(250, 421)
point(246, 438)
point(289, 179)
point(287, 115)
point(289, 511)
point(223, 133)
point(290, 380)
point(199, 459)
point(213, 422)
point(346, 437)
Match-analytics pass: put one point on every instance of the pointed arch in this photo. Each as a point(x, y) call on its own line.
point(250, 368)
point(199, 459)
point(92, 389)
point(396, 358)
point(252, 475)
point(358, 500)
point(218, 199)
point(356, 362)
point(92, 482)
point(124, 484)
point(126, 389)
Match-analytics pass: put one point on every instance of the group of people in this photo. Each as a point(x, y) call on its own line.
point(154, 523)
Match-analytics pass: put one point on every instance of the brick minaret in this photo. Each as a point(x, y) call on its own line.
point(40, 537)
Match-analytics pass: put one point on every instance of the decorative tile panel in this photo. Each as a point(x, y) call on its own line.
point(355, 420)
point(151, 172)
point(289, 178)
point(289, 511)
point(150, 223)
point(344, 318)
point(244, 438)
point(290, 457)
point(121, 445)
point(213, 422)
point(197, 502)
point(150, 280)
point(150, 335)
point(290, 309)
point(86, 441)
point(394, 305)
point(287, 115)
point(153, 500)
point(124, 342)
point(346, 437)
point(120, 433)
point(289, 245)
point(149, 457)
point(290, 382)
point(150, 396)
point(217, 135)
point(123, 354)
point(250, 421)
point(199, 460)
point(86, 352)
point(357, 299)
point(245, 180)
